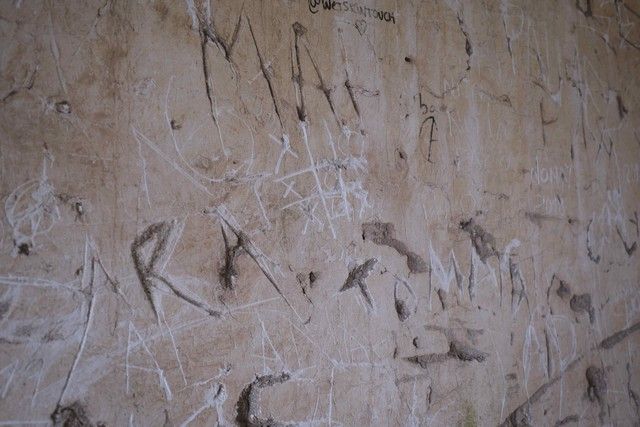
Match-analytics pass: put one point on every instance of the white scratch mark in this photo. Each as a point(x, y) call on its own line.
point(286, 149)
point(13, 364)
point(214, 397)
point(143, 178)
point(56, 52)
point(161, 376)
point(141, 137)
point(173, 344)
point(87, 326)
point(32, 209)
point(314, 171)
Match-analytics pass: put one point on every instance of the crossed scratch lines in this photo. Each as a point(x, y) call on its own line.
point(31, 210)
point(331, 190)
point(286, 348)
point(183, 166)
point(161, 238)
point(83, 369)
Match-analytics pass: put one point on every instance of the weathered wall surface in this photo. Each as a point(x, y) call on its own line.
point(385, 213)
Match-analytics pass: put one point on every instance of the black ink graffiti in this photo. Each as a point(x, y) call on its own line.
point(350, 7)
point(424, 108)
point(429, 110)
point(431, 138)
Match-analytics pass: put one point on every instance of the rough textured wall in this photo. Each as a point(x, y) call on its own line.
point(371, 212)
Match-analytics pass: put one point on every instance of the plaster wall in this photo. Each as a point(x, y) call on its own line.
point(368, 212)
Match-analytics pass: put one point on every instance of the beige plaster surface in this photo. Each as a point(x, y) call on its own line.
point(279, 212)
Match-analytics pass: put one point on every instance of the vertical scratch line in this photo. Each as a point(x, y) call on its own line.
point(80, 348)
point(314, 171)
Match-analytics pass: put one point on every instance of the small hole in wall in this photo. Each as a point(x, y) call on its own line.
point(408, 59)
point(24, 249)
